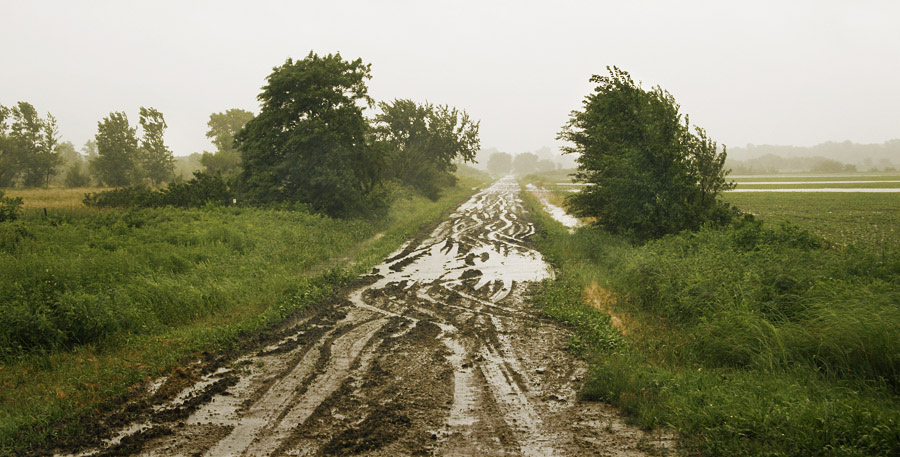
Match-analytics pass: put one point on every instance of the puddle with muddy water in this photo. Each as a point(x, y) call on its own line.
point(439, 351)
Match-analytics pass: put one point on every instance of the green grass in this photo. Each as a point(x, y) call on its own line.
point(94, 301)
point(802, 177)
point(758, 340)
point(843, 218)
point(821, 185)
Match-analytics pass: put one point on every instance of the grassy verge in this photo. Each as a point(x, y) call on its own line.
point(95, 301)
point(757, 340)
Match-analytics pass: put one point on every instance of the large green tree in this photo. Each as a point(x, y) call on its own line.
point(156, 161)
point(424, 143)
point(9, 168)
point(223, 127)
point(28, 146)
point(309, 142)
point(117, 161)
point(648, 173)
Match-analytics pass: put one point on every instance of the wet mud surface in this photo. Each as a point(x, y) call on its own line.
point(439, 351)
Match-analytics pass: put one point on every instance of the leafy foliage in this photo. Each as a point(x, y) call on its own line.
point(117, 148)
point(751, 339)
point(425, 142)
point(76, 176)
point(648, 173)
point(122, 160)
point(204, 189)
point(223, 127)
point(28, 146)
point(156, 160)
point(10, 207)
point(308, 144)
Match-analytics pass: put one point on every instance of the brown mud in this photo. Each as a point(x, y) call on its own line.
point(439, 351)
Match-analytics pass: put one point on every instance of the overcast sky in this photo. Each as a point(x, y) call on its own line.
point(761, 72)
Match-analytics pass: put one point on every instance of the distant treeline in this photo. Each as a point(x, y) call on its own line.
point(830, 157)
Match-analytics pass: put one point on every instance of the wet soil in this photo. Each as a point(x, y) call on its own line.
point(439, 351)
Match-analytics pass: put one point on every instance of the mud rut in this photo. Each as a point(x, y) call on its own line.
point(439, 353)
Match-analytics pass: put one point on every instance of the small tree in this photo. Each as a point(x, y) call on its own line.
point(76, 176)
point(648, 174)
point(9, 160)
point(223, 127)
point(424, 141)
point(156, 161)
point(309, 142)
point(28, 146)
point(117, 150)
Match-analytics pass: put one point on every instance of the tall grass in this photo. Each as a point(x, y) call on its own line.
point(92, 301)
point(755, 340)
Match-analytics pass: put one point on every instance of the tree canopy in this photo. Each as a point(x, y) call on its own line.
point(223, 127)
point(117, 148)
point(28, 146)
point(648, 173)
point(122, 160)
point(424, 143)
point(309, 142)
point(156, 161)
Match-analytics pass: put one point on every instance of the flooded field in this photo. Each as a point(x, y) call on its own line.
point(439, 351)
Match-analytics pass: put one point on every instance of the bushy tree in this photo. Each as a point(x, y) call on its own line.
point(117, 149)
point(156, 161)
point(76, 176)
point(122, 160)
point(648, 173)
point(424, 142)
point(309, 142)
point(9, 167)
point(28, 146)
point(223, 127)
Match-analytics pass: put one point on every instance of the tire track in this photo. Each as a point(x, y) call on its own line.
point(440, 353)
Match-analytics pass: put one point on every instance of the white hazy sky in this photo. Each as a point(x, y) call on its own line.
point(764, 72)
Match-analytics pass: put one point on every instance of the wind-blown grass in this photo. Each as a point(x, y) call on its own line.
point(754, 340)
point(95, 300)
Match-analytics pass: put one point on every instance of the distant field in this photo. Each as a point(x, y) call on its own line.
point(848, 182)
point(824, 178)
point(52, 198)
point(843, 218)
point(560, 181)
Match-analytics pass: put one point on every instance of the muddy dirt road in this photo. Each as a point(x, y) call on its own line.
point(437, 352)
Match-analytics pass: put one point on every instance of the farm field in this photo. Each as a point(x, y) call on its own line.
point(844, 218)
point(773, 337)
point(53, 198)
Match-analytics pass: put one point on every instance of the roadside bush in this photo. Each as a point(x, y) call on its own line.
point(10, 207)
point(202, 190)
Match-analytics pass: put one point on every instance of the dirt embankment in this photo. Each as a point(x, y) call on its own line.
point(437, 352)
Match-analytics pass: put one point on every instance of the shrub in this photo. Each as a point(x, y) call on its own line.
point(202, 190)
point(10, 207)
